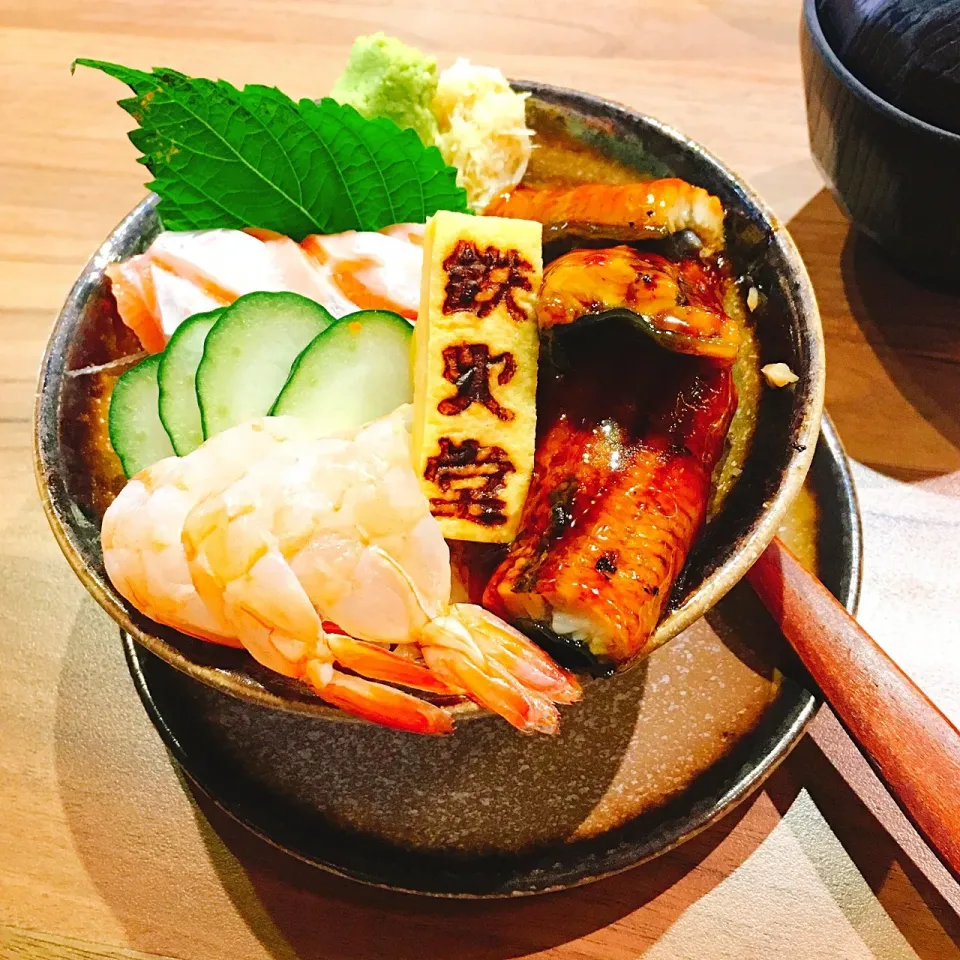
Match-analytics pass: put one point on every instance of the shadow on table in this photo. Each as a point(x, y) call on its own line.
point(298, 913)
point(306, 906)
point(912, 330)
point(926, 920)
point(322, 917)
point(108, 763)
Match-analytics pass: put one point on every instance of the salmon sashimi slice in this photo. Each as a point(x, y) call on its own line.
point(188, 272)
point(133, 289)
point(370, 271)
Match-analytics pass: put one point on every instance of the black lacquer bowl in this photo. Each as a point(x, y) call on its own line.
point(70, 407)
point(892, 173)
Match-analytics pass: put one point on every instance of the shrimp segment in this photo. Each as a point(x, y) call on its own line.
point(633, 211)
point(339, 530)
point(678, 304)
point(140, 534)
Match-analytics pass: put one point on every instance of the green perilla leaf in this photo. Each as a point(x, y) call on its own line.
point(223, 157)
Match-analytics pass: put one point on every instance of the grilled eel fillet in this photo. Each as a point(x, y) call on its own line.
point(611, 517)
point(630, 435)
point(631, 211)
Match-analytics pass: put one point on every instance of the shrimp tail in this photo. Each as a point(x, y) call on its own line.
point(377, 702)
point(499, 668)
point(377, 663)
point(516, 654)
point(528, 712)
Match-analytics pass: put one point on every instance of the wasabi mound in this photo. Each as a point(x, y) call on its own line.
point(386, 78)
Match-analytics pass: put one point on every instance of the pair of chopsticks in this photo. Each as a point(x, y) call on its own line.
point(911, 744)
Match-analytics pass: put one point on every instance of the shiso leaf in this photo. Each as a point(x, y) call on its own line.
point(224, 157)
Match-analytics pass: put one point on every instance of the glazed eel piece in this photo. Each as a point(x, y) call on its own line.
point(631, 211)
point(629, 438)
point(678, 304)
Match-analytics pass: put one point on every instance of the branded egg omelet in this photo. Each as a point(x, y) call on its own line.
point(475, 372)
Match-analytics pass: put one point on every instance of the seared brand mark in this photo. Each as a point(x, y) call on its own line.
point(471, 476)
point(561, 502)
point(561, 507)
point(607, 563)
point(479, 280)
point(469, 367)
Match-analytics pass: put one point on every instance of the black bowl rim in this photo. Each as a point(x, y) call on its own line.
point(811, 20)
point(715, 585)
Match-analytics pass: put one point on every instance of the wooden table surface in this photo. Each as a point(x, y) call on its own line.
point(106, 852)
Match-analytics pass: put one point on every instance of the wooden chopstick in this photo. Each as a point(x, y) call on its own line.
point(911, 744)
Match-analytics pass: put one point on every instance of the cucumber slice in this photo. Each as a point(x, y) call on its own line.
point(177, 379)
point(355, 371)
point(248, 354)
point(136, 432)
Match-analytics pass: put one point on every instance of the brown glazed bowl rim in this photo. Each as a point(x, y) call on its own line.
point(756, 537)
point(811, 21)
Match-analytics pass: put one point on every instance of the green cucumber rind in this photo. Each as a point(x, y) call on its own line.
point(169, 389)
point(216, 341)
point(127, 409)
point(298, 398)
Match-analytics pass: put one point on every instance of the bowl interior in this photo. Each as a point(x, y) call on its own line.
point(89, 348)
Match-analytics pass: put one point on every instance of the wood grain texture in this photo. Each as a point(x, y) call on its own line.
point(914, 746)
point(26, 945)
point(104, 849)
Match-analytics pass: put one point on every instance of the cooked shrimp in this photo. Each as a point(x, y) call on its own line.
point(188, 272)
point(634, 211)
point(679, 304)
point(140, 535)
point(338, 531)
point(319, 555)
